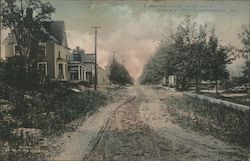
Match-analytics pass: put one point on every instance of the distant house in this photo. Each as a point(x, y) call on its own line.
point(170, 81)
point(102, 77)
point(54, 52)
point(82, 68)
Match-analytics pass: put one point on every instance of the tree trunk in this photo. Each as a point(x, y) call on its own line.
point(183, 84)
point(216, 87)
point(196, 84)
point(177, 83)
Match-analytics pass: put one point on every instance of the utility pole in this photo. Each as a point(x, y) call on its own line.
point(0, 30)
point(96, 28)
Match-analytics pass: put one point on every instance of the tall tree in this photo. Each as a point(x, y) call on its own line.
point(217, 58)
point(245, 52)
point(246, 71)
point(24, 18)
point(119, 74)
point(191, 53)
point(189, 45)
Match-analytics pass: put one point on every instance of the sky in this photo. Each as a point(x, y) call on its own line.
point(132, 30)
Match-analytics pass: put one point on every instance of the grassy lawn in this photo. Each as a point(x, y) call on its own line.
point(214, 119)
point(47, 112)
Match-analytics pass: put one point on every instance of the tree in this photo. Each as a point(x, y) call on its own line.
point(217, 58)
point(191, 53)
point(24, 21)
point(246, 71)
point(182, 53)
point(119, 74)
point(245, 52)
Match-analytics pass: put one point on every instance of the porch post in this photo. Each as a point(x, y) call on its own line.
point(84, 73)
point(78, 72)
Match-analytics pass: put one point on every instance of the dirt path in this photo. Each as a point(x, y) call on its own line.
point(176, 143)
point(138, 127)
point(142, 129)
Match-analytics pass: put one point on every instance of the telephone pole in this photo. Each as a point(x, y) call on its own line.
point(0, 30)
point(96, 28)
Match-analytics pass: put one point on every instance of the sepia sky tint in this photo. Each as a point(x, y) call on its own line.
point(133, 29)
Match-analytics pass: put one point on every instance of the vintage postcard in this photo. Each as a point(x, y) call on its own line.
point(125, 80)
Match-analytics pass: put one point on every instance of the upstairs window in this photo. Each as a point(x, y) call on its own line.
point(59, 54)
point(16, 51)
point(42, 49)
point(42, 66)
point(77, 57)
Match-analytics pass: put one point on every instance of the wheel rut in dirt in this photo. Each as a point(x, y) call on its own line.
point(125, 136)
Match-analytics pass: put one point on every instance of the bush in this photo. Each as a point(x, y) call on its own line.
point(50, 109)
point(119, 74)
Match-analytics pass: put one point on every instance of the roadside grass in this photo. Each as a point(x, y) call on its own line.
point(47, 112)
point(214, 119)
point(244, 99)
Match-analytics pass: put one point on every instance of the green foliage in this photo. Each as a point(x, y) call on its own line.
point(191, 53)
point(119, 74)
point(50, 109)
point(20, 73)
point(245, 52)
point(246, 71)
point(15, 74)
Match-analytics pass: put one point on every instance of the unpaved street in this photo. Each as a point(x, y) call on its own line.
point(141, 128)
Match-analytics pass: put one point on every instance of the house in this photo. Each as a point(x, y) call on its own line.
point(102, 76)
point(82, 68)
point(170, 81)
point(53, 53)
point(55, 59)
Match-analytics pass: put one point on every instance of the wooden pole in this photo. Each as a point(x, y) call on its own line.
point(95, 84)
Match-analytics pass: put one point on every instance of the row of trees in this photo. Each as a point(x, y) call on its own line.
point(191, 53)
point(119, 74)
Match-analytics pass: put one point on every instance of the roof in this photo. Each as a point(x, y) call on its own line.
point(57, 32)
point(55, 29)
point(90, 57)
point(82, 56)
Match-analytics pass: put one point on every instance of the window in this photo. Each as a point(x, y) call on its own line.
point(42, 49)
point(16, 51)
point(77, 57)
point(42, 66)
point(60, 68)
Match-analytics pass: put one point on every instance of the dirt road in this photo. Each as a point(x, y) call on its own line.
point(141, 129)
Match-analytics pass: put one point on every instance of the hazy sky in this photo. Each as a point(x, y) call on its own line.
point(133, 29)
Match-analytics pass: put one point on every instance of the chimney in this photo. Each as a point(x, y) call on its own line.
point(77, 48)
point(29, 13)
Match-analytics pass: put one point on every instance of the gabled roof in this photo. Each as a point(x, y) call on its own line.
point(90, 58)
point(57, 30)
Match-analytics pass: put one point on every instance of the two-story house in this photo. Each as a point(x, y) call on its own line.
point(81, 66)
point(54, 52)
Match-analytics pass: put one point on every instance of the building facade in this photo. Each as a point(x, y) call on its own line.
point(53, 53)
point(55, 59)
point(82, 68)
